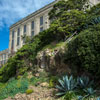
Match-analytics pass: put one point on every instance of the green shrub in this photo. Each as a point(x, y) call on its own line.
point(84, 51)
point(29, 91)
point(25, 75)
point(18, 77)
point(53, 81)
point(70, 96)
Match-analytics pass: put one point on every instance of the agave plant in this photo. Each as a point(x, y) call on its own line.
point(90, 91)
point(98, 98)
point(84, 82)
point(66, 85)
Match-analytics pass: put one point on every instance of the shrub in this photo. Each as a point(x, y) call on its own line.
point(18, 77)
point(29, 91)
point(53, 81)
point(69, 96)
point(84, 51)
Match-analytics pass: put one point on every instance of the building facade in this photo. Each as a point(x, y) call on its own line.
point(29, 26)
point(3, 57)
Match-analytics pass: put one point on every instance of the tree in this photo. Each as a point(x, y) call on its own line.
point(64, 5)
point(84, 51)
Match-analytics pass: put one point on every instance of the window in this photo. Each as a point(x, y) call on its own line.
point(41, 29)
point(32, 34)
point(41, 20)
point(12, 45)
point(18, 40)
point(18, 36)
point(32, 25)
point(18, 33)
point(24, 28)
point(12, 34)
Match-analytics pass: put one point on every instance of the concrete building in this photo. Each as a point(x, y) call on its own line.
point(29, 26)
point(3, 57)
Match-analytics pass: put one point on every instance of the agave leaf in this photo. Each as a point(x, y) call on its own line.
point(60, 88)
point(60, 93)
point(98, 98)
point(61, 83)
point(71, 82)
point(66, 82)
point(90, 91)
point(80, 97)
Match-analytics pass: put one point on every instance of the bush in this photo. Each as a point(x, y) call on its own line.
point(18, 77)
point(69, 96)
point(53, 81)
point(84, 51)
point(29, 91)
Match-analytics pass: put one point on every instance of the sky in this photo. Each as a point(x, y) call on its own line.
point(12, 11)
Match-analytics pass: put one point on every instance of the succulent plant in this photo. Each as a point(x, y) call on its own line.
point(98, 98)
point(90, 91)
point(66, 85)
point(84, 82)
point(80, 97)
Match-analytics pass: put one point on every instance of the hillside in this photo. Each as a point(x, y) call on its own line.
point(63, 60)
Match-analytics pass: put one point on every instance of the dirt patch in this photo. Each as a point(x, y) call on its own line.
point(39, 93)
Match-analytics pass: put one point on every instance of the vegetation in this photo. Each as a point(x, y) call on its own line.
point(12, 87)
point(70, 88)
point(82, 52)
point(29, 91)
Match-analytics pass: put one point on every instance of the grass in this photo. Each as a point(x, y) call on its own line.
point(42, 78)
point(12, 87)
point(54, 46)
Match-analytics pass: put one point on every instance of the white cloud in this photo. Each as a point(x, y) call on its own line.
point(13, 10)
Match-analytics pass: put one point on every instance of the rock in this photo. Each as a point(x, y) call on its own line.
point(45, 84)
point(37, 74)
point(9, 98)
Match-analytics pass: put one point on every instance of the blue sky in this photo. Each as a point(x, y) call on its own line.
point(13, 10)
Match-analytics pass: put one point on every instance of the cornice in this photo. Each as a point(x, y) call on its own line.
point(33, 14)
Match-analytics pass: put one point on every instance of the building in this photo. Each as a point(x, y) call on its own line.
point(3, 57)
point(29, 26)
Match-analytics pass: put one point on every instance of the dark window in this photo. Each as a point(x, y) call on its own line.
point(12, 45)
point(18, 40)
point(41, 20)
point(12, 34)
point(18, 36)
point(32, 25)
point(32, 34)
point(18, 33)
point(24, 28)
point(41, 29)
